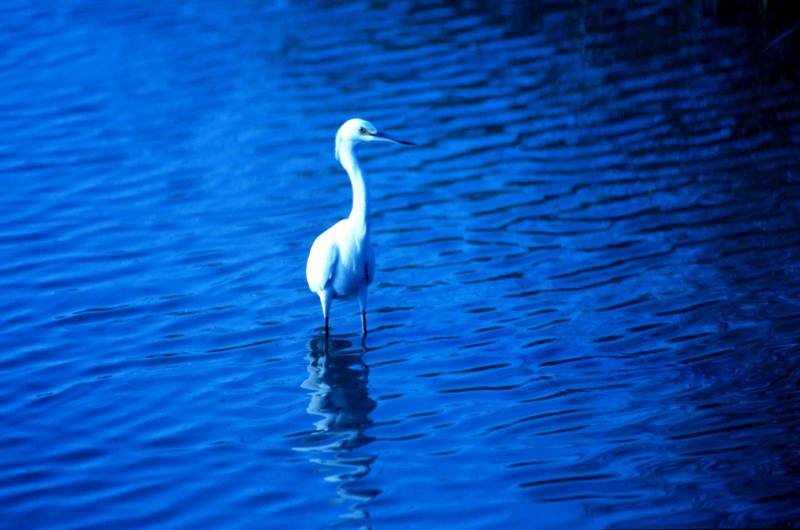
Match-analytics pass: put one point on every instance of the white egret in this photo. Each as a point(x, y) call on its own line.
point(341, 263)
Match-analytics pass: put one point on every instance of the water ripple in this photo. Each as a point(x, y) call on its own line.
point(586, 306)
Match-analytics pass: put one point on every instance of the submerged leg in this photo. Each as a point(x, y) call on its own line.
point(362, 302)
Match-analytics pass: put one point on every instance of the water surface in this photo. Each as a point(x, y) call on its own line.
point(587, 305)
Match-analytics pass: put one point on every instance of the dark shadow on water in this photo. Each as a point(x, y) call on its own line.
point(339, 400)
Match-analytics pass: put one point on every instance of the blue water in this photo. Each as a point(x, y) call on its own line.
point(587, 304)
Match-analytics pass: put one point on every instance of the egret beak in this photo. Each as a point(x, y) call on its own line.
point(386, 138)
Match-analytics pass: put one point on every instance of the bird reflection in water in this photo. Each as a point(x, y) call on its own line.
point(338, 379)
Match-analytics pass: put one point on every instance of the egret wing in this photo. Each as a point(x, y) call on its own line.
point(321, 262)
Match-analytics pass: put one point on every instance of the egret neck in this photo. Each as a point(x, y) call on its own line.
point(359, 215)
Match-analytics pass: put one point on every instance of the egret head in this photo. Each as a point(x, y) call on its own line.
point(356, 130)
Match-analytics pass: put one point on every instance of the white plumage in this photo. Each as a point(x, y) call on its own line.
point(341, 263)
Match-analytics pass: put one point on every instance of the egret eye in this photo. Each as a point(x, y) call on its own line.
point(363, 130)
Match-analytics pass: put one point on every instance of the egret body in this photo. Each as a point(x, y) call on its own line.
point(341, 263)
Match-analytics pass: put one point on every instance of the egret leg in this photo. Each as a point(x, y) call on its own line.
point(364, 321)
point(362, 302)
point(325, 301)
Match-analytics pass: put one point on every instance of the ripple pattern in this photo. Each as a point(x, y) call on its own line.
point(587, 309)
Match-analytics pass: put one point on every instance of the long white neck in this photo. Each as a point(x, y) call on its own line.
point(359, 215)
